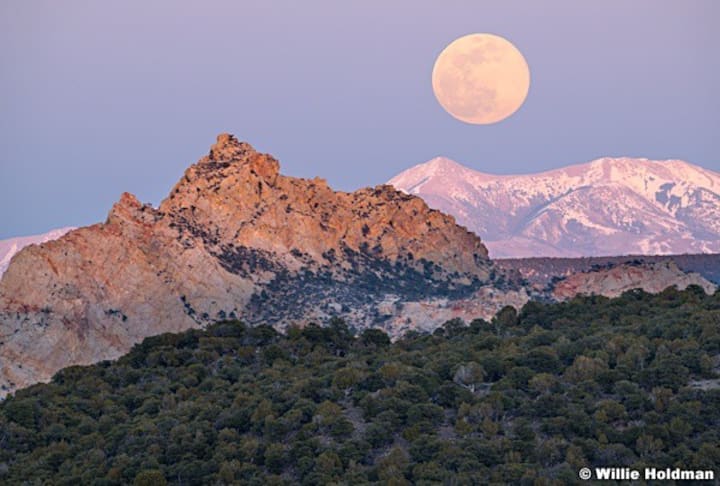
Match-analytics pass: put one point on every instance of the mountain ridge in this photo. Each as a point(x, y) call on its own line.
point(608, 206)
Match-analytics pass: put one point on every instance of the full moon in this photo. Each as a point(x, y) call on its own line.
point(481, 79)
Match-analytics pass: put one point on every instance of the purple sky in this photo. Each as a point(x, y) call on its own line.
point(104, 97)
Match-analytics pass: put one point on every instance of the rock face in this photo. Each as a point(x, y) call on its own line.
point(612, 282)
point(9, 247)
point(234, 239)
point(611, 206)
point(539, 272)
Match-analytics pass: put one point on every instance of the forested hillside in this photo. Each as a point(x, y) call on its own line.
point(536, 396)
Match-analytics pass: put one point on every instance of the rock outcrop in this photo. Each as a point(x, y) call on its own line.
point(613, 281)
point(539, 272)
point(235, 238)
point(9, 247)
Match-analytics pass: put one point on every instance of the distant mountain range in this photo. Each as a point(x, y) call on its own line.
point(611, 206)
point(10, 246)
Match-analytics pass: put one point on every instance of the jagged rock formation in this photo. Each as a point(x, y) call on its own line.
point(234, 239)
point(611, 206)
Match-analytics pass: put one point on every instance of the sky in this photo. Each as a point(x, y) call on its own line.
point(98, 98)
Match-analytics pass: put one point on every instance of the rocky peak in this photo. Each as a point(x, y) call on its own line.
point(237, 196)
point(229, 153)
point(228, 162)
point(127, 200)
point(124, 209)
point(129, 209)
point(228, 148)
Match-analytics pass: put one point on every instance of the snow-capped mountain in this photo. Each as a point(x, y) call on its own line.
point(9, 247)
point(611, 206)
